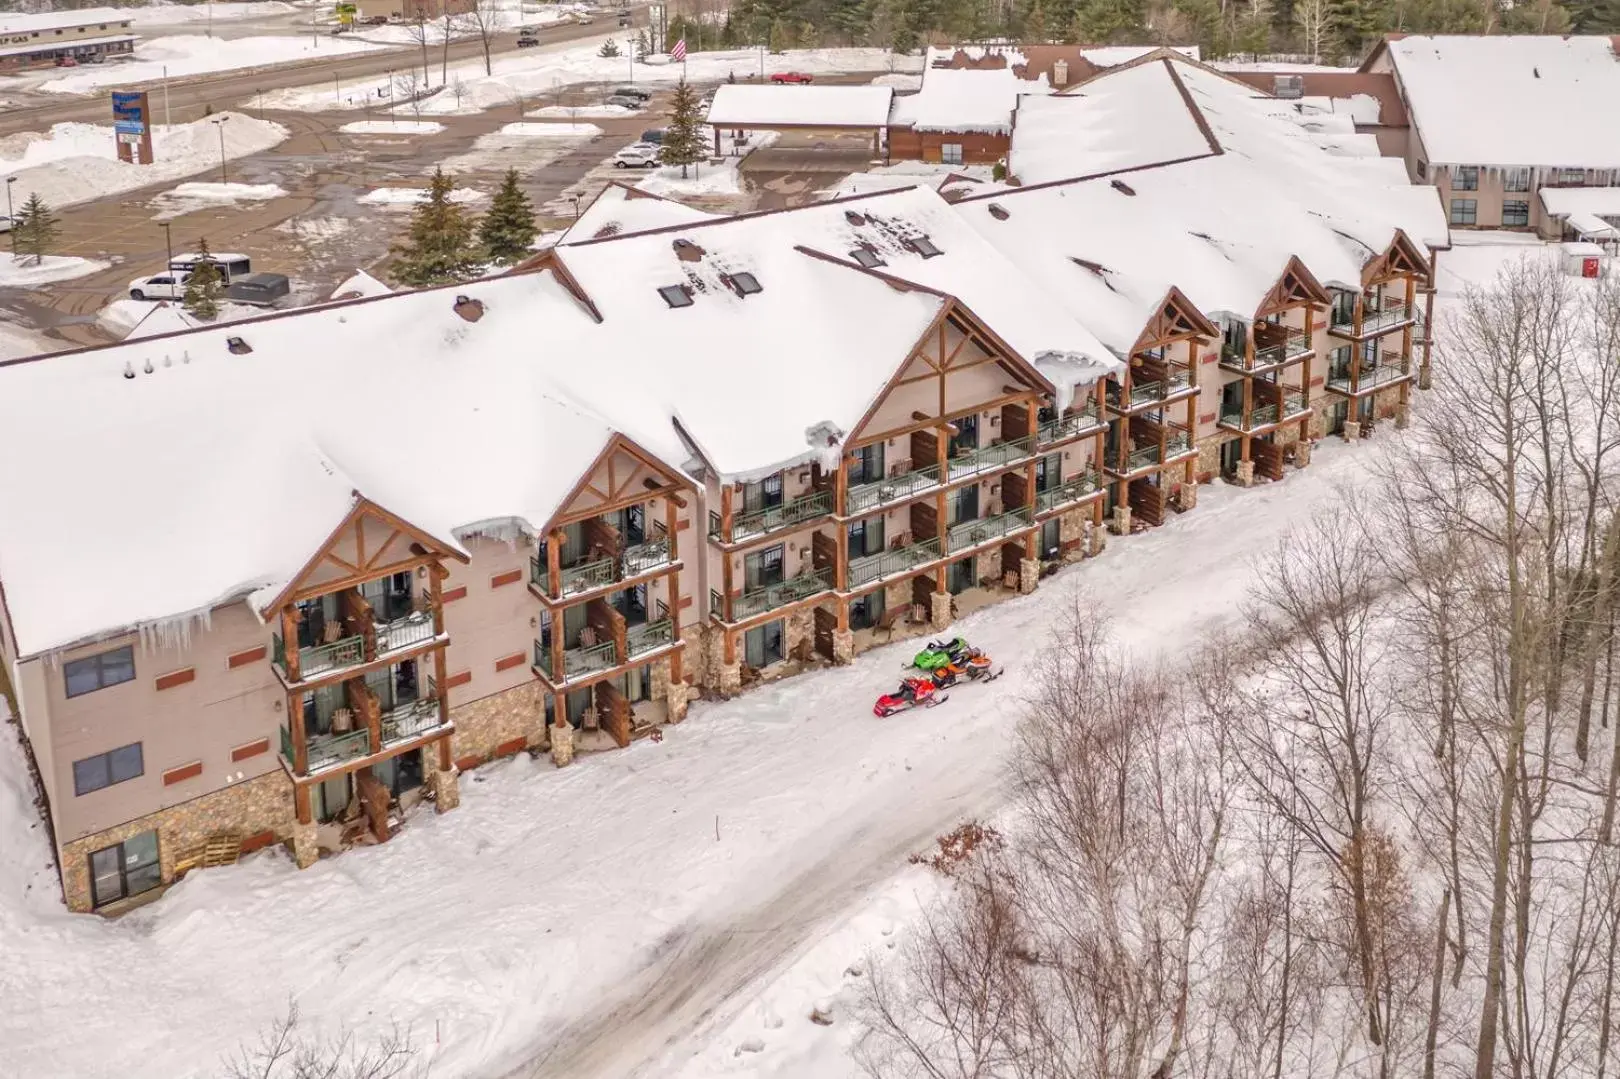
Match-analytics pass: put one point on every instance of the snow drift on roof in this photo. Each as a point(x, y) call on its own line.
point(358, 286)
point(620, 210)
point(1512, 100)
point(16, 23)
point(163, 318)
point(1114, 55)
point(965, 99)
point(800, 106)
point(1596, 201)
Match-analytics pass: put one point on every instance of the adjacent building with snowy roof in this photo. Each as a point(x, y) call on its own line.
point(962, 114)
point(41, 39)
point(825, 109)
point(1497, 119)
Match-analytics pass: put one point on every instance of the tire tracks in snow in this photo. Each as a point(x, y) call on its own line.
point(701, 967)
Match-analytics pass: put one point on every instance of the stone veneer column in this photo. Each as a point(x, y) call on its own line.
point(1029, 574)
point(1402, 416)
point(446, 788)
point(306, 852)
point(1352, 430)
point(729, 684)
point(1096, 539)
point(939, 609)
point(562, 744)
point(1189, 496)
point(1245, 474)
point(843, 646)
point(1122, 519)
point(1302, 453)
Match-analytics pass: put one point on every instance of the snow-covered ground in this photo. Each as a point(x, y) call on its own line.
point(392, 127)
point(188, 55)
point(507, 19)
point(534, 73)
point(580, 112)
point(78, 162)
point(199, 195)
point(701, 179)
point(23, 272)
point(185, 14)
point(524, 129)
point(410, 196)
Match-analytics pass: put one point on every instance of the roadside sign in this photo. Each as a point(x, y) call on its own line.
point(128, 139)
point(132, 126)
point(129, 127)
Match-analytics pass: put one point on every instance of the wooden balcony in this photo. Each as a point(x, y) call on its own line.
point(1375, 321)
point(1175, 444)
point(757, 601)
point(1082, 421)
point(966, 535)
point(989, 458)
point(1067, 493)
point(868, 496)
point(623, 562)
point(890, 563)
point(1176, 386)
point(1274, 346)
point(1353, 381)
point(375, 731)
point(753, 523)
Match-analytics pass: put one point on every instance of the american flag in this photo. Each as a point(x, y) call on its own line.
point(679, 51)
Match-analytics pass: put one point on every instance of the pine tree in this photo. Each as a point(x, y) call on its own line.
point(439, 247)
point(203, 287)
point(508, 229)
point(1035, 23)
point(35, 230)
point(683, 145)
point(609, 49)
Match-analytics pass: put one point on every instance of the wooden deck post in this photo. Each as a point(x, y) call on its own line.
point(300, 741)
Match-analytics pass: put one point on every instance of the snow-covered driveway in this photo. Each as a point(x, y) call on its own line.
point(582, 922)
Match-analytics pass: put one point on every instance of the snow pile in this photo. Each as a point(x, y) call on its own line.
point(316, 230)
point(187, 55)
point(899, 81)
point(580, 112)
point(620, 210)
point(358, 286)
point(163, 317)
point(198, 195)
point(535, 73)
point(121, 318)
point(166, 14)
point(410, 196)
point(701, 179)
point(78, 162)
point(551, 131)
point(392, 127)
point(25, 273)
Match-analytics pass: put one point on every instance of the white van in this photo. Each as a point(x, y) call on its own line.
point(230, 266)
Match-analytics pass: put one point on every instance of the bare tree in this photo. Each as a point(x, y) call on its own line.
point(285, 1052)
point(1312, 18)
point(486, 17)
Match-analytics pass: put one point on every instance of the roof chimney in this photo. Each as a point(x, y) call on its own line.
point(1060, 73)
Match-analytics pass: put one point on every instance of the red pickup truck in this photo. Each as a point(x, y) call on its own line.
point(789, 76)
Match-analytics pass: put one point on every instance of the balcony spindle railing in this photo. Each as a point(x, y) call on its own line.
point(770, 597)
point(874, 567)
point(412, 718)
point(998, 455)
point(864, 496)
point(650, 637)
point(1070, 490)
point(649, 554)
point(968, 534)
point(598, 657)
point(789, 514)
point(404, 632)
point(326, 750)
point(320, 659)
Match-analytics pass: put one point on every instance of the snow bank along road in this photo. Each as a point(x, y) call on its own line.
point(504, 933)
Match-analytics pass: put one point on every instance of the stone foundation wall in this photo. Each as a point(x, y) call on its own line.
point(259, 805)
point(987, 564)
point(484, 726)
point(1072, 531)
point(798, 633)
point(1209, 455)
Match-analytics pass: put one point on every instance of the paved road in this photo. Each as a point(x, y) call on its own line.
point(189, 96)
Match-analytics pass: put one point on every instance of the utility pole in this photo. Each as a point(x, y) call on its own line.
point(167, 120)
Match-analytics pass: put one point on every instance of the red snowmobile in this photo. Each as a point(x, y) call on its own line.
point(913, 693)
point(972, 665)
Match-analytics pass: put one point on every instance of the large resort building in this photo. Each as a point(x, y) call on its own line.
point(677, 454)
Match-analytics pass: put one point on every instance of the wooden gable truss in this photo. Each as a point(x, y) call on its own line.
point(1401, 259)
point(1176, 320)
point(1296, 286)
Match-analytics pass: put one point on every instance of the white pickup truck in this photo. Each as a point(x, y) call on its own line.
point(163, 286)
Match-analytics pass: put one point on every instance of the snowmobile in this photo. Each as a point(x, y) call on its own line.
point(913, 693)
point(940, 653)
point(973, 665)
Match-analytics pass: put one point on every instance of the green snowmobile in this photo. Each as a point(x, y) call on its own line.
point(940, 654)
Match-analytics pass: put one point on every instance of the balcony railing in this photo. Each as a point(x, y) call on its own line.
point(580, 578)
point(1259, 416)
point(770, 597)
point(772, 518)
point(1143, 393)
point(597, 657)
point(1389, 369)
point(1373, 319)
point(864, 496)
point(1070, 426)
point(412, 718)
point(984, 529)
point(1294, 404)
point(649, 637)
point(995, 456)
point(327, 750)
point(1295, 345)
point(413, 629)
point(874, 567)
point(1071, 490)
point(649, 554)
point(321, 658)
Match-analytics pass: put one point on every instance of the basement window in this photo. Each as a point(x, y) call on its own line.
point(923, 246)
point(744, 284)
point(676, 295)
point(866, 257)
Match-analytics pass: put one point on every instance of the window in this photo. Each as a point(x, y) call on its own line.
point(744, 284)
point(1049, 471)
point(866, 257)
point(763, 569)
point(967, 434)
point(1464, 211)
point(676, 295)
point(1465, 178)
point(100, 671)
point(1515, 213)
point(866, 537)
point(964, 506)
point(1516, 180)
point(1422, 170)
point(128, 869)
point(763, 646)
point(1051, 540)
point(105, 769)
point(1339, 363)
point(1572, 176)
point(866, 612)
point(923, 246)
point(866, 464)
point(764, 494)
point(951, 153)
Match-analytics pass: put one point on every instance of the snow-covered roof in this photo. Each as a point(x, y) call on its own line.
point(18, 23)
point(1512, 100)
point(620, 210)
point(1118, 120)
point(1114, 55)
point(1596, 201)
point(1359, 108)
point(53, 43)
point(1221, 227)
point(800, 106)
point(965, 99)
point(163, 318)
point(221, 475)
point(359, 285)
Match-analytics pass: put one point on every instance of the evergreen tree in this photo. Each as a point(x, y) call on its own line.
point(439, 247)
point(643, 43)
point(609, 49)
point(682, 144)
point(204, 286)
point(508, 229)
point(850, 18)
point(1035, 22)
point(35, 230)
point(779, 36)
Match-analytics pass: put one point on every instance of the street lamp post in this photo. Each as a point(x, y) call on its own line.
point(219, 125)
point(11, 216)
point(168, 242)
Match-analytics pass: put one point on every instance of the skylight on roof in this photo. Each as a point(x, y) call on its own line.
point(998, 211)
point(676, 295)
point(866, 257)
point(923, 246)
point(744, 284)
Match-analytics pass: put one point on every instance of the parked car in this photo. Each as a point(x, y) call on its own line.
point(96, 58)
point(583, 20)
point(636, 156)
point(624, 101)
point(632, 91)
point(230, 266)
point(6, 223)
point(374, 20)
point(258, 289)
point(527, 39)
point(653, 136)
point(66, 61)
point(163, 286)
point(342, 28)
point(790, 76)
